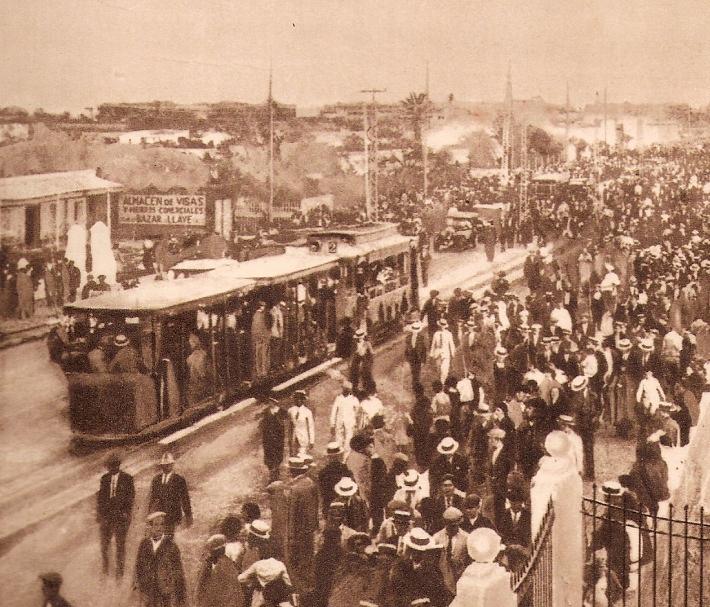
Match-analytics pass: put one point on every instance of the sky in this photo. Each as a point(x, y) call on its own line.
point(72, 54)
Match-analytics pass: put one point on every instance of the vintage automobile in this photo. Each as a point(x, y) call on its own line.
point(461, 232)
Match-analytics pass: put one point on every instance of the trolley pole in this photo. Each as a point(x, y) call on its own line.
point(371, 160)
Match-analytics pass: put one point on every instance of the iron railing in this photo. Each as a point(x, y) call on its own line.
point(671, 552)
point(533, 583)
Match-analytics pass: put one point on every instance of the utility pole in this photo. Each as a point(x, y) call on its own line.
point(567, 124)
point(371, 160)
point(507, 125)
point(605, 117)
point(524, 168)
point(425, 149)
point(270, 208)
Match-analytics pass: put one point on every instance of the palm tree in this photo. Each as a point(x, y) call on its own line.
point(416, 107)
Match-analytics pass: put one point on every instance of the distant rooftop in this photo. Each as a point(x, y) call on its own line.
point(44, 185)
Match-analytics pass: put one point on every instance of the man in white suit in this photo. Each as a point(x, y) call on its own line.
point(302, 430)
point(442, 349)
point(343, 416)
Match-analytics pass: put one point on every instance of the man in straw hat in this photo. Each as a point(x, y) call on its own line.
point(417, 575)
point(448, 461)
point(344, 416)
point(217, 581)
point(114, 507)
point(415, 349)
point(126, 359)
point(442, 349)
point(331, 473)
point(355, 514)
point(159, 573)
point(587, 409)
point(169, 494)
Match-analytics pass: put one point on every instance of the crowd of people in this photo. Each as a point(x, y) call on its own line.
point(404, 505)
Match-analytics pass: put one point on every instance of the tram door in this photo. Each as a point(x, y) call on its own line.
point(173, 352)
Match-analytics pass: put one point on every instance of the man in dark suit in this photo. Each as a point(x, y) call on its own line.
point(169, 494)
point(448, 497)
point(448, 461)
point(416, 349)
point(473, 518)
point(114, 505)
point(330, 474)
point(499, 463)
point(159, 573)
point(355, 512)
point(514, 522)
point(301, 495)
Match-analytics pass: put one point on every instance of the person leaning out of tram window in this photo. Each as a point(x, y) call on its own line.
point(126, 359)
point(198, 370)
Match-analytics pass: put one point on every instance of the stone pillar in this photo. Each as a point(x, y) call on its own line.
point(558, 480)
point(485, 585)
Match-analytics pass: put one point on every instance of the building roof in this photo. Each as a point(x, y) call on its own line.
point(47, 185)
point(164, 295)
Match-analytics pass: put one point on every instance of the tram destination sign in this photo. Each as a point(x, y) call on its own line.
point(163, 209)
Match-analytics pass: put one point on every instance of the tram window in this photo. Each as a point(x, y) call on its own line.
point(198, 356)
point(237, 341)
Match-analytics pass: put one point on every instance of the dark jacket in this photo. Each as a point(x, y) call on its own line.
point(273, 436)
point(120, 507)
point(427, 581)
point(480, 522)
point(328, 477)
point(515, 533)
point(440, 466)
point(419, 352)
point(172, 498)
point(159, 574)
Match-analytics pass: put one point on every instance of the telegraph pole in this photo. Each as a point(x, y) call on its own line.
point(605, 117)
point(371, 163)
point(425, 149)
point(270, 208)
point(507, 125)
point(567, 124)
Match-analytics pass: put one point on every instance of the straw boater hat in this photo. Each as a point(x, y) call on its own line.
point(567, 420)
point(296, 464)
point(418, 539)
point(260, 529)
point(646, 345)
point(410, 478)
point(422, 602)
point(120, 340)
point(624, 344)
point(536, 326)
point(612, 488)
point(501, 351)
point(345, 487)
point(447, 446)
point(471, 323)
point(483, 408)
point(333, 449)
point(155, 516)
point(360, 334)
point(579, 383)
point(443, 323)
point(167, 459)
point(416, 326)
point(484, 545)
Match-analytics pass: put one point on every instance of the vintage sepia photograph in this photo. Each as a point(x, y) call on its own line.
point(355, 303)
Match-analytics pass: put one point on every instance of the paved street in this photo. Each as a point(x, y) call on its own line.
point(222, 464)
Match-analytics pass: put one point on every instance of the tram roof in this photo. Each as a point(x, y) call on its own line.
point(384, 246)
point(295, 263)
point(167, 294)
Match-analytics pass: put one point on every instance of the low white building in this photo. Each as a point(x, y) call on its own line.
point(150, 137)
point(38, 210)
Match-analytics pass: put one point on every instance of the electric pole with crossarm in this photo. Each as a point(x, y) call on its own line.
point(371, 160)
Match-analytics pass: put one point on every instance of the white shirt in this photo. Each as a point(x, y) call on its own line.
point(156, 543)
point(303, 426)
point(442, 345)
point(651, 390)
point(370, 407)
point(563, 318)
point(465, 389)
point(114, 484)
point(344, 411)
point(166, 477)
point(610, 282)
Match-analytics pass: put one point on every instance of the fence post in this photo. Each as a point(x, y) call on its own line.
point(558, 480)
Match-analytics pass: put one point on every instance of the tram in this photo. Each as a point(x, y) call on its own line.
point(227, 329)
